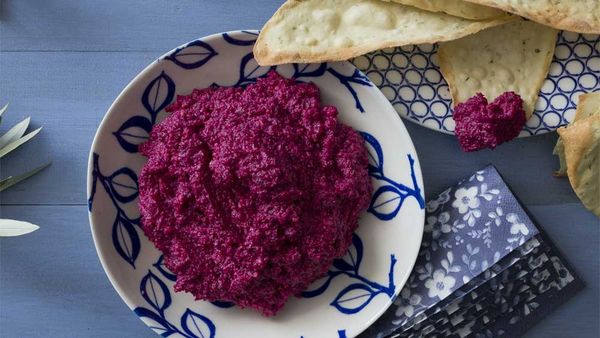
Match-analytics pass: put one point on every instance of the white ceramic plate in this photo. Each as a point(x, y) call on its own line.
point(360, 286)
point(410, 78)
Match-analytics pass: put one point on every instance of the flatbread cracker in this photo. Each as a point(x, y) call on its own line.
point(511, 57)
point(306, 31)
point(587, 105)
point(582, 16)
point(582, 154)
point(458, 8)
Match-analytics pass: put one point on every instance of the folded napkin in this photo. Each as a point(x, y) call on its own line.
point(484, 268)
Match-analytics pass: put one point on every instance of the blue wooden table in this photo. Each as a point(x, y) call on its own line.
point(63, 62)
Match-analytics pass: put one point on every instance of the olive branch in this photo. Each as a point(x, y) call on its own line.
point(11, 140)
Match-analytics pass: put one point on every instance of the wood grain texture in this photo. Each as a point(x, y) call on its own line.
point(53, 284)
point(133, 25)
point(63, 62)
point(67, 94)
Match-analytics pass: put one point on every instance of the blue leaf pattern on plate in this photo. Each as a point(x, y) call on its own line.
point(155, 322)
point(351, 261)
point(386, 202)
point(222, 304)
point(160, 266)
point(122, 188)
point(248, 39)
point(358, 295)
point(375, 154)
point(388, 199)
point(133, 132)
point(250, 71)
point(126, 239)
point(354, 298)
point(156, 293)
point(341, 334)
point(123, 183)
point(193, 55)
point(309, 69)
point(323, 284)
point(196, 325)
point(158, 94)
point(348, 80)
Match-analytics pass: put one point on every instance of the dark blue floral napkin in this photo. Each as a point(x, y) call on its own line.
point(483, 270)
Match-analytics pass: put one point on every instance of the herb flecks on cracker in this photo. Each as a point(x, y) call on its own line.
point(333, 30)
point(458, 8)
point(511, 57)
point(582, 16)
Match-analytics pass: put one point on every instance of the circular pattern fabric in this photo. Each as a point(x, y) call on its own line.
point(410, 78)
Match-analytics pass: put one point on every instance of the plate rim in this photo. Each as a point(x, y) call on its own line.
point(420, 222)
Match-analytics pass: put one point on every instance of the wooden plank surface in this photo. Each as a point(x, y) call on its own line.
point(63, 62)
point(66, 94)
point(133, 25)
point(52, 284)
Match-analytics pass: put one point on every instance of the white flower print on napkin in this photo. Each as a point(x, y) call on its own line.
point(518, 229)
point(467, 202)
point(471, 222)
point(442, 199)
point(465, 199)
point(407, 303)
point(438, 224)
point(517, 226)
point(440, 285)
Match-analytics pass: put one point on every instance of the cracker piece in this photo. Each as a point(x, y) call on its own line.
point(587, 105)
point(511, 57)
point(582, 155)
point(306, 31)
point(582, 16)
point(458, 8)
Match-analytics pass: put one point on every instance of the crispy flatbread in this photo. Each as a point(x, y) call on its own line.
point(511, 57)
point(458, 8)
point(581, 16)
point(582, 155)
point(587, 105)
point(306, 31)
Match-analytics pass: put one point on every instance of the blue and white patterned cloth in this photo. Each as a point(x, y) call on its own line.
point(482, 268)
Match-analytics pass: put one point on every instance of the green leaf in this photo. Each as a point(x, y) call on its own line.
point(3, 110)
point(10, 227)
point(18, 142)
point(14, 133)
point(10, 181)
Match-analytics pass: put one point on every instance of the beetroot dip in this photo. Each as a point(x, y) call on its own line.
point(251, 193)
point(481, 125)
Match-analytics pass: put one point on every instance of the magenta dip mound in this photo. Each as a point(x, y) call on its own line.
point(481, 125)
point(251, 193)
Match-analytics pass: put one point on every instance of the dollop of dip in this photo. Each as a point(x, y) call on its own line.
point(250, 193)
point(481, 125)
